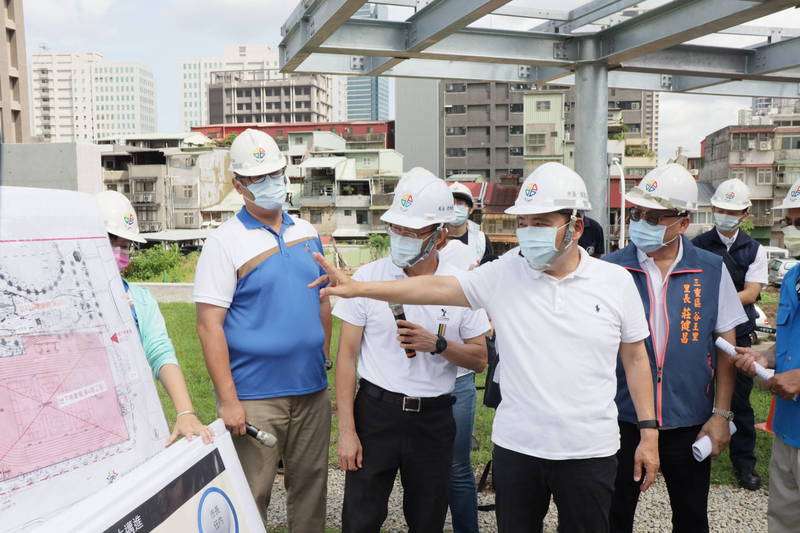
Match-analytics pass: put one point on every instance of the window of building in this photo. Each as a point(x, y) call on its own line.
point(515, 130)
point(456, 87)
point(348, 212)
point(456, 152)
point(455, 109)
point(537, 139)
point(517, 108)
point(111, 186)
point(188, 218)
point(553, 133)
point(187, 191)
point(316, 216)
point(362, 216)
point(543, 105)
point(790, 143)
point(764, 176)
point(737, 173)
point(457, 130)
point(515, 150)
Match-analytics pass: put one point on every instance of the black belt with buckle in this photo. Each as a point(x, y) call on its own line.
point(409, 404)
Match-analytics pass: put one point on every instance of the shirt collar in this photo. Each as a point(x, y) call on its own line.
point(727, 241)
point(250, 222)
point(398, 273)
point(583, 270)
point(646, 259)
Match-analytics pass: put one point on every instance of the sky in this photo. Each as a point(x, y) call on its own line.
point(159, 33)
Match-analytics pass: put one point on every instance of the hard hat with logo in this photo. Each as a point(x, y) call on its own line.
point(669, 186)
point(551, 187)
point(732, 194)
point(420, 199)
point(792, 198)
point(119, 216)
point(461, 191)
point(254, 153)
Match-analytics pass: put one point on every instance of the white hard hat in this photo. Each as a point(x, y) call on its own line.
point(666, 187)
point(792, 198)
point(254, 153)
point(732, 194)
point(551, 187)
point(459, 190)
point(119, 216)
point(420, 199)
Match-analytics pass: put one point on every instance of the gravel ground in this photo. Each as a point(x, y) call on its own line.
point(731, 510)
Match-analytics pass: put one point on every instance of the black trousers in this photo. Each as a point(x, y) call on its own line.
point(743, 442)
point(581, 488)
point(687, 480)
point(420, 445)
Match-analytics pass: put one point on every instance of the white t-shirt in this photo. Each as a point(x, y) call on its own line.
point(757, 271)
point(382, 360)
point(461, 256)
point(730, 312)
point(558, 342)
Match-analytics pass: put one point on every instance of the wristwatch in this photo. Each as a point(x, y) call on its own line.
point(441, 344)
point(647, 424)
point(727, 415)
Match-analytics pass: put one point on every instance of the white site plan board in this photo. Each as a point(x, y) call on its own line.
point(78, 405)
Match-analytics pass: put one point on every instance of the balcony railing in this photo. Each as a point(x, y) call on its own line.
point(144, 198)
point(382, 200)
point(352, 200)
point(150, 226)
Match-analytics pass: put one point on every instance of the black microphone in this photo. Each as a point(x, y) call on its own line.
point(399, 314)
point(265, 438)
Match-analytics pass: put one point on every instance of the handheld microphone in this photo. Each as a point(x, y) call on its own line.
point(399, 314)
point(265, 438)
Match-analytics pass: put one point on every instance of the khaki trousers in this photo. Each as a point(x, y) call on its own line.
point(783, 514)
point(302, 425)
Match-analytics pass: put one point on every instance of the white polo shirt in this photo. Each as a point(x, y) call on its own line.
point(558, 342)
point(461, 256)
point(382, 360)
point(757, 271)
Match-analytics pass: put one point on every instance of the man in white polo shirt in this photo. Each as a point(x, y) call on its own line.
point(265, 334)
point(562, 317)
point(402, 414)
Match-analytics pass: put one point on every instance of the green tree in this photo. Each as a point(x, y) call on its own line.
point(378, 245)
point(747, 226)
point(152, 263)
point(228, 140)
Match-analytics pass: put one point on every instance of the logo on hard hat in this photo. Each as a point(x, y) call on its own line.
point(730, 195)
point(651, 185)
point(129, 219)
point(795, 192)
point(259, 153)
point(406, 201)
point(531, 190)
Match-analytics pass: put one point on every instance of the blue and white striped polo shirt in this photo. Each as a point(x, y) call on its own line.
point(273, 326)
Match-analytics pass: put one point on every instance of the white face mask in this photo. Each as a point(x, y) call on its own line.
point(791, 240)
point(460, 215)
point(408, 251)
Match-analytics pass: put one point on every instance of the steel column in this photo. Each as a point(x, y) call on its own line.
point(591, 130)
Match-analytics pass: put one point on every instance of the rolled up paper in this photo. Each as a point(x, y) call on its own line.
point(702, 447)
point(763, 373)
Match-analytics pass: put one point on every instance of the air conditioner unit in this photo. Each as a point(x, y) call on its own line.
point(763, 145)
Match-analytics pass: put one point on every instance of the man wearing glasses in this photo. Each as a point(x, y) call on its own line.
point(783, 513)
point(265, 334)
point(402, 417)
point(689, 298)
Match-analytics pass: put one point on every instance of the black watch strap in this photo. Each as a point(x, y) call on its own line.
point(648, 424)
point(441, 344)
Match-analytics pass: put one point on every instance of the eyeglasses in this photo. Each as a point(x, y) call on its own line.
point(409, 233)
point(653, 218)
point(260, 179)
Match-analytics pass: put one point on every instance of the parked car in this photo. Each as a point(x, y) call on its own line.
point(761, 321)
point(778, 268)
point(773, 252)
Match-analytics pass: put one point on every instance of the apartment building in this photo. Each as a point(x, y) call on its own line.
point(484, 125)
point(14, 105)
point(247, 96)
point(81, 97)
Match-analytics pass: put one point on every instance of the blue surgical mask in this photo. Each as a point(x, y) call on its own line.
point(649, 238)
point(460, 215)
point(726, 222)
point(408, 251)
point(270, 194)
point(538, 245)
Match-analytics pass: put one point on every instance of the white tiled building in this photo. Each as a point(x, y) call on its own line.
point(81, 97)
